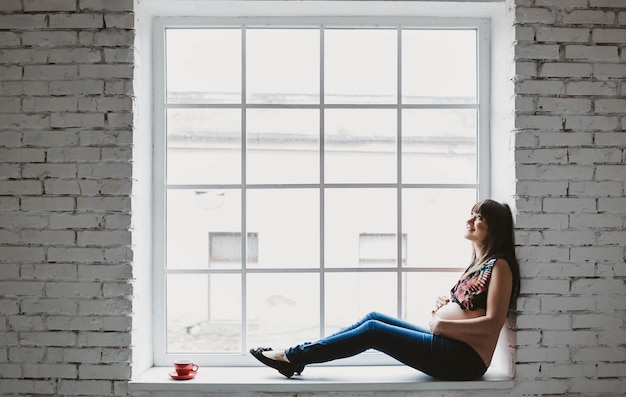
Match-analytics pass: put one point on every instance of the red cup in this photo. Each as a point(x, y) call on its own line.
point(185, 367)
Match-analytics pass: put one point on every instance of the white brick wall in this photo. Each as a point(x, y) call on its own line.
point(66, 69)
point(572, 335)
point(65, 184)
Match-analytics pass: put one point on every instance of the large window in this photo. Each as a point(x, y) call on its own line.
point(347, 150)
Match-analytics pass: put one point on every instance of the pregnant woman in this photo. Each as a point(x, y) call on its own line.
point(464, 328)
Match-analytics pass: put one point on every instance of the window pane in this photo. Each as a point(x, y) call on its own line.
point(351, 212)
point(434, 221)
point(192, 216)
point(420, 292)
point(367, 292)
point(431, 70)
point(439, 146)
point(287, 222)
point(203, 65)
point(360, 145)
point(203, 313)
point(282, 65)
point(283, 309)
point(360, 66)
point(203, 146)
point(283, 146)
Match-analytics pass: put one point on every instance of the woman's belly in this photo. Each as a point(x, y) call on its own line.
point(452, 311)
point(483, 344)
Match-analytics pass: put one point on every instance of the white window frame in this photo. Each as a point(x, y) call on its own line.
point(482, 27)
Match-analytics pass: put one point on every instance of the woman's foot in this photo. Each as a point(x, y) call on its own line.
point(276, 359)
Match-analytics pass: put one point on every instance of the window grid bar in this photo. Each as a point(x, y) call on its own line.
point(326, 185)
point(244, 196)
point(322, 187)
point(399, 256)
point(309, 270)
point(323, 106)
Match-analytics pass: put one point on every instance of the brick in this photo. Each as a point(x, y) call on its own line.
point(50, 39)
point(613, 205)
point(569, 205)
point(22, 21)
point(11, 5)
point(595, 221)
point(569, 304)
point(50, 72)
point(102, 5)
point(104, 339)
point(59, 371)
point(539, 122)
point(122, 21)
point(103, 238)
point(608, 3)
point(534, 15)
point(569, 370)
point(48, 138)
point(49, 306)
point(609, 36)
point(562, 35)
point(85, 387)
point(49, 170)
point(610, 172)
point(21, 254)
point(540, 87)
point(49, 5)
point(569, 338)
point(28, 386)
point(587, 17)
point(22, 288)
point(595, 189)
point(594, 156)
point(80, 255)
point(566, 139)
point(73, 87)
point(90, 371)
point(75, 55)
point(551, 354)
point(81, 323)
point(77, 21)
point(537, 51)
point(564, 105)
point(610, 105)
point(75, 120)
point(566, 69)
point(104, 307)
point(73, 289)
point(26, 354)
point(21, 187)
point(591, 123)
point(597, 286)
point(591, 88)
point(540, 188)
point(106, 71)
point(596, 53)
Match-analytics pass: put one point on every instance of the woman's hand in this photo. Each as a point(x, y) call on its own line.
point(434, 323)
point(441, 301)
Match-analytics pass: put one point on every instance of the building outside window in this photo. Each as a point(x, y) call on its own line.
point(348, 151)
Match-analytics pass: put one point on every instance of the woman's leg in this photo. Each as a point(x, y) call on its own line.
point(406, 343)
point(383, 318)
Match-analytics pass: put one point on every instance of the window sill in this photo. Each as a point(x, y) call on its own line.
point(314, 379)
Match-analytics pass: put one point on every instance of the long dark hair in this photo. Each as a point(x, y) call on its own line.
point(500, 238)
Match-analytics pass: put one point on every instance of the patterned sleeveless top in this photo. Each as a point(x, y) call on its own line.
point(470, 292)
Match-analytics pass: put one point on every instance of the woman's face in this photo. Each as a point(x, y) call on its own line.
point(476, 229)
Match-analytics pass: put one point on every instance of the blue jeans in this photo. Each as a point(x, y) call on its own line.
point(437, 356)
